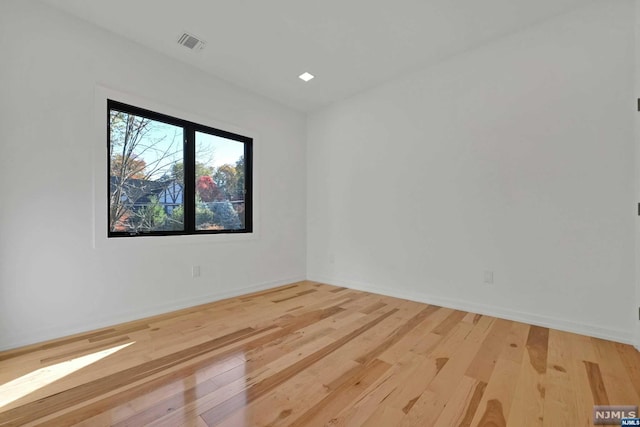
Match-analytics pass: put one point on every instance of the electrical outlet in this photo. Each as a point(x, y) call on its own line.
point(195, 271)
point(488, 277)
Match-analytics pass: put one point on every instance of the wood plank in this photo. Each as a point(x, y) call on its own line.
point(342, 395)
point(560, 404)
point(279, 409)
point(528, 401)
point(581, 350)
point(495, 403)
point(615, 376)
point(428, 406)
point(420, 340)
point(482, 365)
point(155, 407)
point(403, 393)
point(631, 361)
point(236, 402)
point(449, 323)
point(598, 389)
point(463, 403)
point(402, 372)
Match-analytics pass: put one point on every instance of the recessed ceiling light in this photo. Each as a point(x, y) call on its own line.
point(306, 76)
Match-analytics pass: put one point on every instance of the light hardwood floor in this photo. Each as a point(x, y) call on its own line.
point(310, 354)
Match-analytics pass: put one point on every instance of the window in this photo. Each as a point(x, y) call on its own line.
point(169, 176)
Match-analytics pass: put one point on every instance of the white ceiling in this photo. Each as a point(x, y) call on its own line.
point(350, 45)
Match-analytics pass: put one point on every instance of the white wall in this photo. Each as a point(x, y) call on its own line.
point(517, 157)
point(52, 281)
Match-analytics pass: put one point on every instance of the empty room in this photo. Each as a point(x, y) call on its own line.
point(338, 213)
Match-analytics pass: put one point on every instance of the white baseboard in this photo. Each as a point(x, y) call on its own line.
point(503, 313)
point(54, 333)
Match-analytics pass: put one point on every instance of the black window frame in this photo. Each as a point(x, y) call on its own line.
point(189, 162)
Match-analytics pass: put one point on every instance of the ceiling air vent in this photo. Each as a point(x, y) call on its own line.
point(191, 41)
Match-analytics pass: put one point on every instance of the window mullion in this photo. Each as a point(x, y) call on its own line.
point(189, 179)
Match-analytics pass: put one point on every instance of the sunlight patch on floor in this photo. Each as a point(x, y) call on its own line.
point(20, 387)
